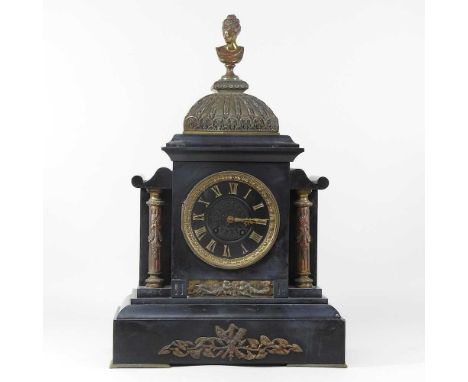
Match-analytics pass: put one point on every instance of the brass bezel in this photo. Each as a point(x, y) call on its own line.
point(261, 250)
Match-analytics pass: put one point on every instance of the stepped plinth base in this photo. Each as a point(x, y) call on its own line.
point(218, 332)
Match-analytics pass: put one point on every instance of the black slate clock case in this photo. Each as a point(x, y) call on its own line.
point(163, 324)
point(274, 266)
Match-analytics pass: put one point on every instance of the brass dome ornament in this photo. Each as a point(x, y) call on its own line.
point(229, 111)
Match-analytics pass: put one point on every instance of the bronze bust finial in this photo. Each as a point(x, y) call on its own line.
point(230, 54)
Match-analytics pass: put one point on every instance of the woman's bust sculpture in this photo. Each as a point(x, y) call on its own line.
point(230, 54)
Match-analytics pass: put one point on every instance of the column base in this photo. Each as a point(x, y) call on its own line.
point(154, 281)
point(303, 282)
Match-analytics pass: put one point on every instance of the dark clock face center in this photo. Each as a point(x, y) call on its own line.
point(230, 219)
point(217, 218)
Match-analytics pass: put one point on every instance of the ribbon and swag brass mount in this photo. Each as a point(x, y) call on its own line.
point(230, 344)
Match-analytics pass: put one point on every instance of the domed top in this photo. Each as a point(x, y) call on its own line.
point(229, 110)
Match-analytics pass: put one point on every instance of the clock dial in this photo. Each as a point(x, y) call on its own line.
point(230, 219)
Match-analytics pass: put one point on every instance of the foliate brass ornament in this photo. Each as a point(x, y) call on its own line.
point(227, 113)
point(264, 245)
point(230, 344)
point(230, 111)
point(155, 239)
point(303, 239)
point(230, 288)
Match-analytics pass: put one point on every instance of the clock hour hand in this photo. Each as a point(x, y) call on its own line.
point(246, 221)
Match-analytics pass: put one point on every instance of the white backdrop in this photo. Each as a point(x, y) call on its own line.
point(345, 79)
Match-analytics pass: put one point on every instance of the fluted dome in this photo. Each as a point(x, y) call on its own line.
point(230, 112)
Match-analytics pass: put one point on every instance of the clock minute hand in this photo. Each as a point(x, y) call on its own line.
point(246, 221)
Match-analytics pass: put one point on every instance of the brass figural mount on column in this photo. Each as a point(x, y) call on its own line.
point(303, 205)
point(155, 239)
point(228, 243)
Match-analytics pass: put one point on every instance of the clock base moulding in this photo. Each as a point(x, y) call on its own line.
point(203, 333)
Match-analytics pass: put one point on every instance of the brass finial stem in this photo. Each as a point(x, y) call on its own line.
point(303, 239)
point(155, 239)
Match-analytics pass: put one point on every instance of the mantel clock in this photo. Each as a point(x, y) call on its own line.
point(228, 244)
